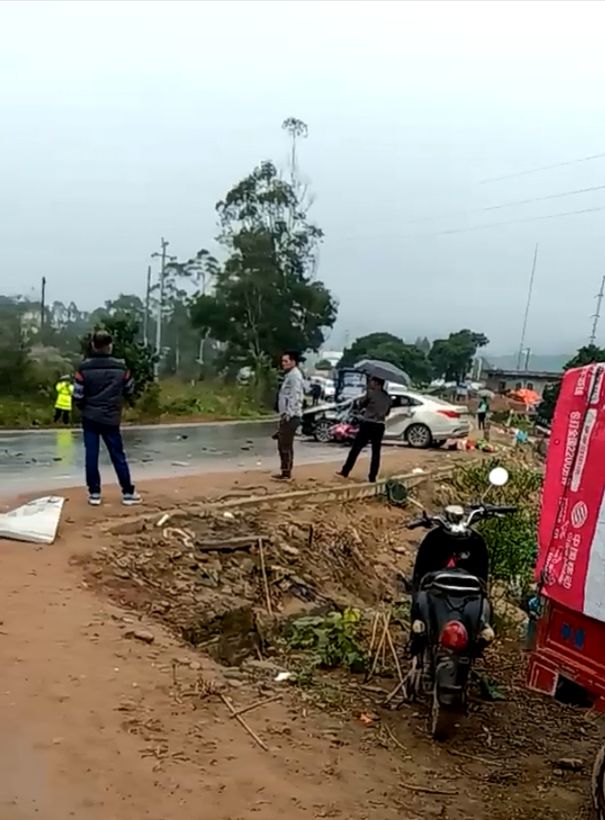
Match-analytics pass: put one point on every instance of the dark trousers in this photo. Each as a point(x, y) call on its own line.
point(112, 438)
point(285, 444)
point(481, 420)
point(370, 432)
point(62, 415)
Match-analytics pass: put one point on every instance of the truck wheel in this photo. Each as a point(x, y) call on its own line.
point(418, 436)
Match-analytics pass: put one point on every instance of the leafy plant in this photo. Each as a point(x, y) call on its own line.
point(266, 298)
point(139, 358)
point(389, 348)
point(452, 357)
point(333, 639)
point(511, 540)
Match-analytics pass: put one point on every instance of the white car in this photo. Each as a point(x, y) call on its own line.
point(421, 421)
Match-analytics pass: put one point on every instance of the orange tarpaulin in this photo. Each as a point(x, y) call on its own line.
point(526, 395)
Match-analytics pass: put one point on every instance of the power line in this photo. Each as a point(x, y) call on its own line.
point(505, 222)
point(542, 168)
point(510, 204)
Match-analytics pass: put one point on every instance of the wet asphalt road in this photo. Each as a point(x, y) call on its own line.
point(48, 459)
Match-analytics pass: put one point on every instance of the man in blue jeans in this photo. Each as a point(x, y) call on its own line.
point(100, 387)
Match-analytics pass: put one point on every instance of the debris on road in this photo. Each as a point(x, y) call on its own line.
point(140, 634)
point(35, 522)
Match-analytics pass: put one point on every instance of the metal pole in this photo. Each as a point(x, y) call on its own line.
point(527, 355)
point(527, 306)
point(158, 330)
point(147, 301)
point(43, 304)
point(597, 315)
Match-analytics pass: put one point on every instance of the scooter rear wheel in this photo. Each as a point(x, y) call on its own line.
point(442, 720)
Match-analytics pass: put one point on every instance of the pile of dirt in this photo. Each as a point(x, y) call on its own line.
point(205, 580)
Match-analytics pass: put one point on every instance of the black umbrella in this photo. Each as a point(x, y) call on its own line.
point(383, 370)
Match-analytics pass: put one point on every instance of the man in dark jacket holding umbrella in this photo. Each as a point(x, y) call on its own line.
point(375, 407)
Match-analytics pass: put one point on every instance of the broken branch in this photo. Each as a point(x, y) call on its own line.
point(243, 723)
point(264, 573)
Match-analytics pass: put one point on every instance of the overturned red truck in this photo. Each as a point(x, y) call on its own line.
point(568, 657)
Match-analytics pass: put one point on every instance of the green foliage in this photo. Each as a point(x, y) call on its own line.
point(423, 344)
point(139, 358)
point(511, 540)
point(266, 298)
point(16, 413)
point(16, 372)
point(389, 348)
point(589, 354)
point(209, 400)
point(331, 639)
point(452, 357)
point(324, 364)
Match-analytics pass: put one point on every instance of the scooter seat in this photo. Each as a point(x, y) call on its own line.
point(453, 582)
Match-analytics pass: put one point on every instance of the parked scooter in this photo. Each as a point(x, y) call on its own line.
point(450, 608)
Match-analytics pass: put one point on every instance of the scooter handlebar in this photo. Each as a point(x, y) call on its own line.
point(500, 509)
point(419, 522)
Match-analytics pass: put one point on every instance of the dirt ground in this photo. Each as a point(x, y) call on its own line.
point(101, 725)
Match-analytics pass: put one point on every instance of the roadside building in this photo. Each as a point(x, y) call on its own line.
point(503, 381)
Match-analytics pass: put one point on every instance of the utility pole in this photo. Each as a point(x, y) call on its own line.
point(597, 315)
point(158, 331)
point(43, 304)
point(147, 303)
point(527, 355)
point(527, 306)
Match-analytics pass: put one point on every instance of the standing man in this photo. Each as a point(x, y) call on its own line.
point(376, 406)
point(482, 412)
point(64, 389)
point(290, 408)
point(102, 384)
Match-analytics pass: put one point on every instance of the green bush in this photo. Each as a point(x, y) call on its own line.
point(17, 413)
point(512, 540)
point(209, 400)
point(332, 639)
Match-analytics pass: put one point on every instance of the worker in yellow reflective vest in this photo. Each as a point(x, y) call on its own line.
point(64, 388)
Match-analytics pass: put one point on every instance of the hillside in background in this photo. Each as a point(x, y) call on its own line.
point(551, 362)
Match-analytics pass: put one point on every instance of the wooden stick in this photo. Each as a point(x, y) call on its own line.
point(387, 618)
point(389, 732)
point(374, 630)
point(392, 694)
point(255, 705)
point(228, 544)
point(395, 658)
point(426, 789)
point(264, 572)
point(476, 758)
point(243, 723)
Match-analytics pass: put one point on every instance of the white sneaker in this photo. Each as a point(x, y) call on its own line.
point(94, 499)
point(130, 499)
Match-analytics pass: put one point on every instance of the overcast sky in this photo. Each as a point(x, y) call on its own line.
point(124, 121)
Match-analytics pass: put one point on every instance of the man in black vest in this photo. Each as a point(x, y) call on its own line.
point(101, 385)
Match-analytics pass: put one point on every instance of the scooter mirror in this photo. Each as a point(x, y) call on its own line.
point(498, 476)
